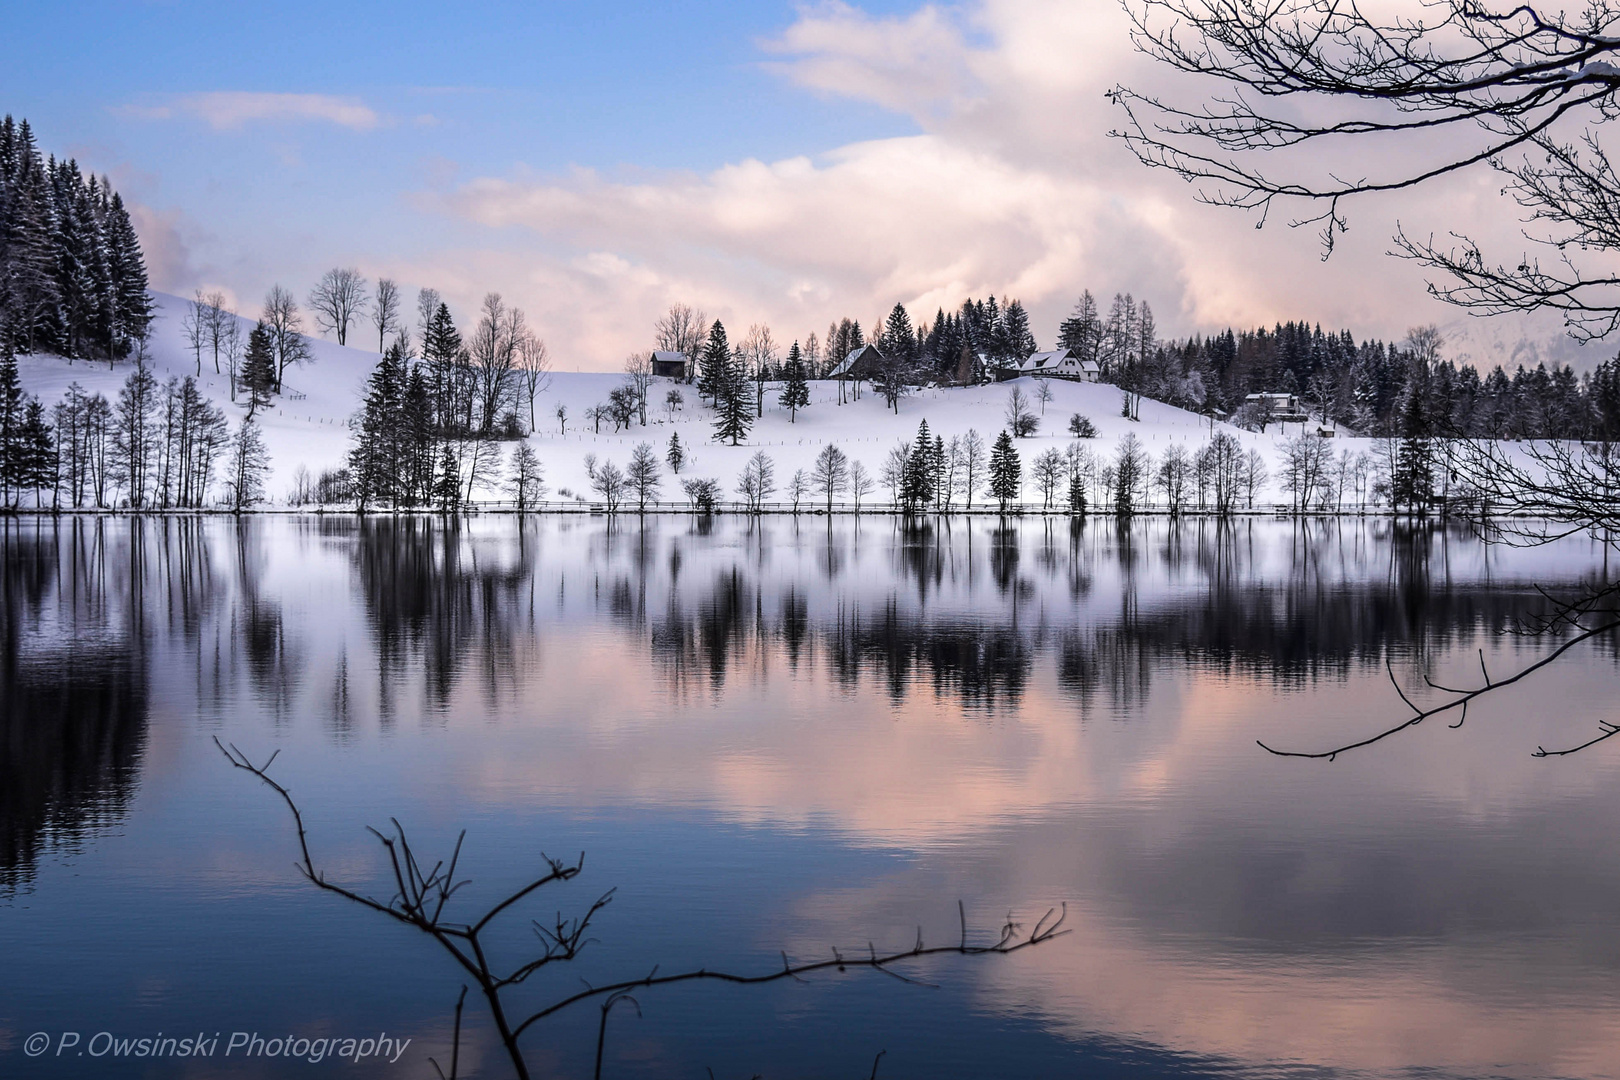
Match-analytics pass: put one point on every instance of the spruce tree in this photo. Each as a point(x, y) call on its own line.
point(1412, 482)
point(378, 455)
point(795, 391)
point(13, 448)
point(259, 368)
point(447, 486)
point(715, 368)
point(733, 417)
point(1006, 471)
point(676, 455)
point(917, 482)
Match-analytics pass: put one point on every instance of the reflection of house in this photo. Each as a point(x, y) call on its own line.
point(861, 363)
point(671, 365)
point(1281, 408)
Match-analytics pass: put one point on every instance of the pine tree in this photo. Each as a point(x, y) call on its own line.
point(795, 391)
point(714, 369)
point(1006, 472)
point(733, 417)
point(1412, 481)
point(676, 455)
point(447, 486)
point(378, 455)
point(259, 368)
point(917, 481)
point(39, 459)
point(13, 413)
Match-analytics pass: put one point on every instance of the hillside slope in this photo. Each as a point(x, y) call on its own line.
point(309, 424)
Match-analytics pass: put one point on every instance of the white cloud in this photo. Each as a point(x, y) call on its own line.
point(1010, 186)
point(226, 110)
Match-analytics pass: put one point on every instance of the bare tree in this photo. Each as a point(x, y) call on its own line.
point(336, 301)
point(193, 324)
point(534, 369)
point(608, 480)
point(385, 311)
point(423, 895)
point(493, 351)
point(643, 476)
point(758, 354)
point(683, 329)
point(1315, 103)
point(860, 483)
point(830, 473)
point(757, 481)
point(1020, 420)
point(1043, 393)
point(286, 326)
point(220, 328)
point(639, 367)
point(427, 305)
point(974, 463)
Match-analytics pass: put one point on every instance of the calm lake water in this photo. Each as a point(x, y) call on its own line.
point(786, 735)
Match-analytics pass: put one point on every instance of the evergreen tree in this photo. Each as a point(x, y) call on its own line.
point(379, 453)
point(418, 441)
point(1006, 472)
point(259, 368)
point(733, 417)
point(447, 486)
point(795, 391)
point(39, 457)
point(917, 479)
point(676, 455)
point(13, 413)
point(1412, 481)
point(714, 368)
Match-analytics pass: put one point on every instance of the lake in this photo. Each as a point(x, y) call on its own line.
point(790, 735)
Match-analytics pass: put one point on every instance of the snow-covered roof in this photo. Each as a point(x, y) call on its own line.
point(666, 356)
point(866, 353)
point(1047, 361)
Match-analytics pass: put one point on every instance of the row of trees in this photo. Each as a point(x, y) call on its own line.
point(156, 447)
point(72, 275)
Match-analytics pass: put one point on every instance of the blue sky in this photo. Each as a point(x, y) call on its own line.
point(597, 161)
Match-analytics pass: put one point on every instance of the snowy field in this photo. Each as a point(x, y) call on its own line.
point(309, 423)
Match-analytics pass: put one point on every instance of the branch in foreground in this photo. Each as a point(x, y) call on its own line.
point(1573, 615)
point(422, 895)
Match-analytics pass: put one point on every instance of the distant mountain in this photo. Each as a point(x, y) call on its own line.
point(1514, 340)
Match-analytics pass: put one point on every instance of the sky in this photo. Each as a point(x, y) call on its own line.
point(596, 162)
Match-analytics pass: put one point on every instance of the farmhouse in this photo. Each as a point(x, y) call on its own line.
point(1057, 364)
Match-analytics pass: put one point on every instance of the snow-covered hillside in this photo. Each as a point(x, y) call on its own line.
point(309, 423)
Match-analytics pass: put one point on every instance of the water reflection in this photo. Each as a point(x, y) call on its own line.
point(1014, 711)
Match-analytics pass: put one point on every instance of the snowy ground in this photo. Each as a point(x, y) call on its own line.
point(309, 423)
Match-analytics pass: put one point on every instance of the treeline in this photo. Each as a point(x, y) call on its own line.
point(1373, 387)
point(72, 276)
point(156, 447)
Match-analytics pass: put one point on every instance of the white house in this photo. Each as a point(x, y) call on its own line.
point(1060, 364)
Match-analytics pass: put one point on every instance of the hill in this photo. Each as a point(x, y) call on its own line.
point(308, 425)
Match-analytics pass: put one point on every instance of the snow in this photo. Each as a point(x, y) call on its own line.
point(309, 424)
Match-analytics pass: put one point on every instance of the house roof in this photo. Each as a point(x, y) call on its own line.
point(866, 353)
point(1047, 361)
point(666, 356)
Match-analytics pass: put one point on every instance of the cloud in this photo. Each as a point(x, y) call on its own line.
point(228, 110)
